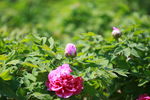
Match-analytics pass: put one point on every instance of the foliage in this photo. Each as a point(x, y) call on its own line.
point(34, 33)
point(107, 66)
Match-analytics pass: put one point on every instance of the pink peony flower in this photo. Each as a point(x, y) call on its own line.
point(64, 84)
point(116, 32)
point(61, 70)
point(70, 50)
point(143, 97)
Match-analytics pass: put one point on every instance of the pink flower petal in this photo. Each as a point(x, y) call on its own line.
point(64, 93)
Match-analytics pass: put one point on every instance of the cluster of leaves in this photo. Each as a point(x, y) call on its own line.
point(111, 69)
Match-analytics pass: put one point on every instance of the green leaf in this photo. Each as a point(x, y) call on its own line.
point(143, 82)
point(132, 45)
point(141, 47)
point(127, 52)
point(29, 64)
point(44, 40)
point(108, 46)
point(46, 48)
point(121, 72)
point(51, 41)
point(113, 75)
point(8, 89)
point(3, 57)
point(13, 62)
point(58, 56)
point(5, 75)
point(31, 77)
point(138, 32)
point(134, 53)
point(103, 62)
point(25, 40)
point(118, 50)
point(21, 92)
point(41, 96)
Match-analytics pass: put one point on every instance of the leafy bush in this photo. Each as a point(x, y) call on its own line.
point(34, 33)
point(111, 69)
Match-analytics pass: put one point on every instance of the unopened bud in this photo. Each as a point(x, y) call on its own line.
point(70, 50)
point(116, 33)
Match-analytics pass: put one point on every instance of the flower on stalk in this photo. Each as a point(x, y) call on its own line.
point(143, 97)
point(70, 50)
point(64, 84)
point(116, 33)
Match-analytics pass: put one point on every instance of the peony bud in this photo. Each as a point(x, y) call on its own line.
point(116, 33)
point(70, 50)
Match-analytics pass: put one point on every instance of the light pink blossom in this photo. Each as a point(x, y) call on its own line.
point(116, 32)
point(70, 50)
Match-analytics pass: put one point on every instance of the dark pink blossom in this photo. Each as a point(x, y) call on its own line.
point(64, 84)
point(144, 97)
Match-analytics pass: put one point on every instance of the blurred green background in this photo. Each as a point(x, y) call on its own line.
point(60, 18)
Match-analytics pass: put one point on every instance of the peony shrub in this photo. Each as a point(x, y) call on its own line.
point(111, 70)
